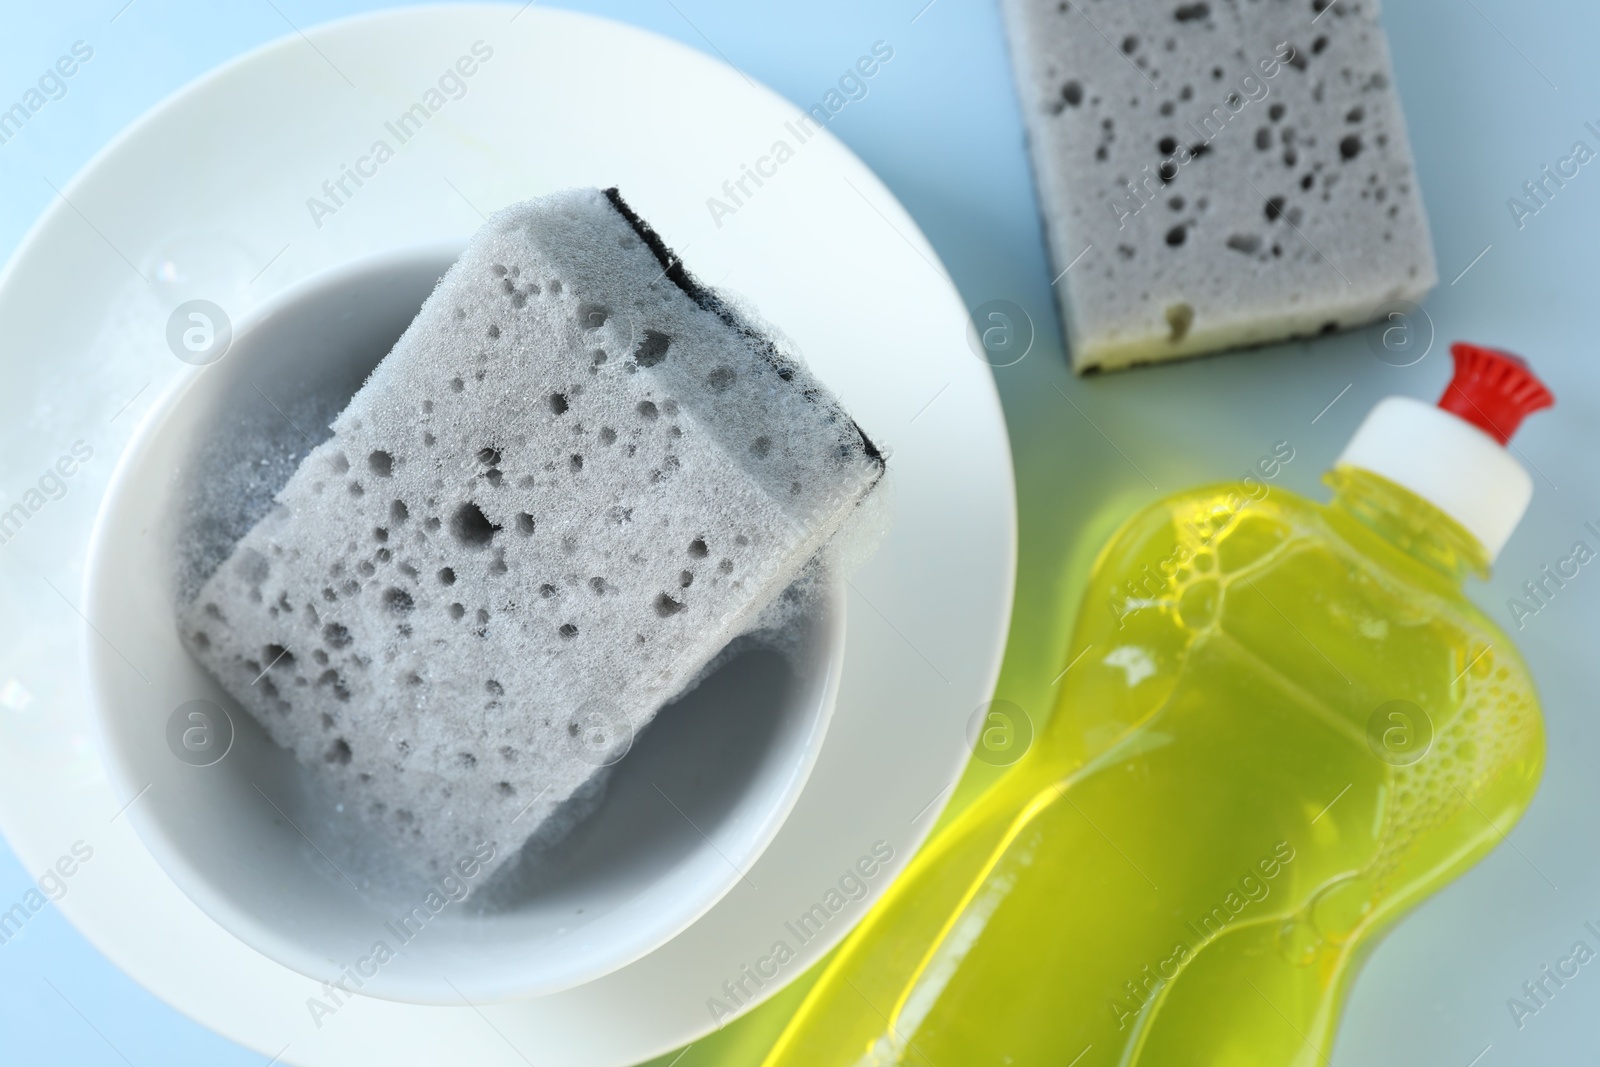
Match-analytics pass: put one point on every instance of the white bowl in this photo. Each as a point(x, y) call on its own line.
point(703, 791)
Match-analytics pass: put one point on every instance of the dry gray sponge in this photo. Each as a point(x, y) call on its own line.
point(576, 478)
point(1217, 174)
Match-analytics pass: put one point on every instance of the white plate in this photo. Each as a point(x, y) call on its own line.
point(207, 197)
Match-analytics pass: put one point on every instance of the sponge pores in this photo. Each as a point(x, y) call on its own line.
point(1216, 174)
point(576, 477)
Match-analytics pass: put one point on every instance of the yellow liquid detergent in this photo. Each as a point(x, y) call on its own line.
point(1285, 726)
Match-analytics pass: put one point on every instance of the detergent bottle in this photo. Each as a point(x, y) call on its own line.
point(1284, 725)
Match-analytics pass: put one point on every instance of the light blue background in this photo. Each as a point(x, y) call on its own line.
point(945, 134)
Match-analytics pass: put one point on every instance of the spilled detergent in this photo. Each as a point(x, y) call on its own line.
point(1260, 761)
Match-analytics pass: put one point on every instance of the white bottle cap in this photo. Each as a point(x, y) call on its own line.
point(1453, 455)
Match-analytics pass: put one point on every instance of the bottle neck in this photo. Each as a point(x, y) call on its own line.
point(1408, 523)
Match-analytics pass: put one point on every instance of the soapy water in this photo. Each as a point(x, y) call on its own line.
point(249, 454)
point(248, 448)
point(683, 775)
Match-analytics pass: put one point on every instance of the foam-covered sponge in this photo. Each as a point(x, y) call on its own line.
point(1218, 173)
point(578, 475)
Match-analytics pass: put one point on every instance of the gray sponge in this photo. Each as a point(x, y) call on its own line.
point(1218, 173)
point(574, 480)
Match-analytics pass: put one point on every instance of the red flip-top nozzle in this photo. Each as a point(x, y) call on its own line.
point(1493, 390)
